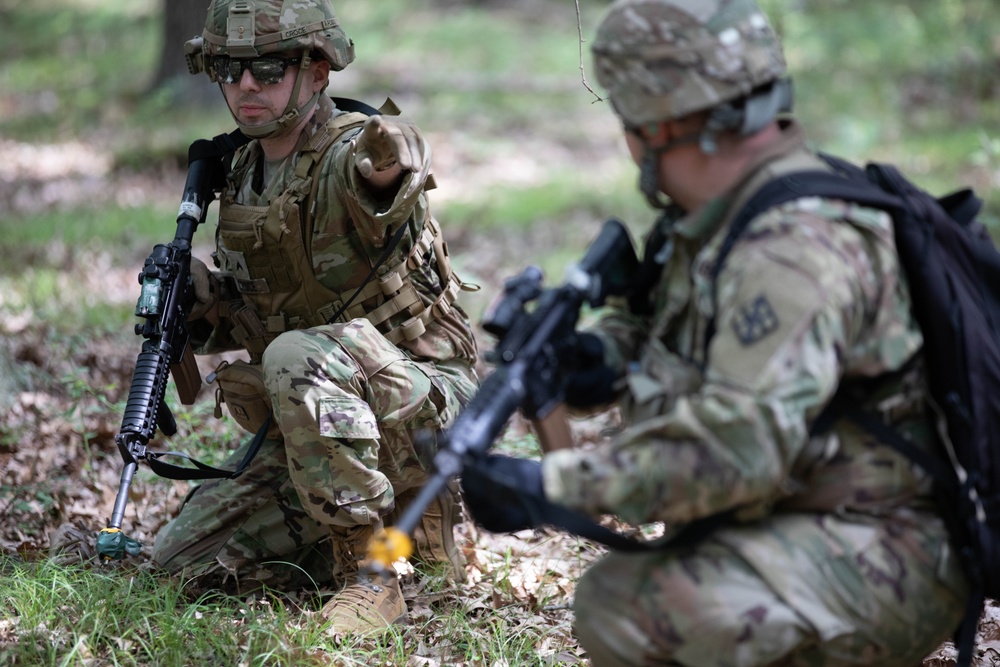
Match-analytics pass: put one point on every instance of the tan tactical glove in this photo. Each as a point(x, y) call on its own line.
point(389, 145)
point(206, 289)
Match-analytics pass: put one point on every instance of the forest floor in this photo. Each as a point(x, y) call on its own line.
point(59, 465)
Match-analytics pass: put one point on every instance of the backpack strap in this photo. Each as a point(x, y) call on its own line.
point(845, 405)
point(658, 250)
point(962, 205)
point(388, 108)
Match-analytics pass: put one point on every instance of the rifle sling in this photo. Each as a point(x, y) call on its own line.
point(549, 513)
point(203, 470)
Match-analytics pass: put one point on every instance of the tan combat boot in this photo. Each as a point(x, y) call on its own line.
point(370, 600)
point(434, 535)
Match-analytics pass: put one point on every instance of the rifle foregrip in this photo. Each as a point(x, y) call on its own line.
point(149, 383)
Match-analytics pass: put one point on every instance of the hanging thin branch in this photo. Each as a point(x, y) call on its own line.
point(583, 73)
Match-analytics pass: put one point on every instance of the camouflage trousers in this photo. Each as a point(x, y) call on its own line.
point(791, 591)
point(347, 403)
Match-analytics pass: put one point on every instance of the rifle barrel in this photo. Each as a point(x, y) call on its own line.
point(118, 513)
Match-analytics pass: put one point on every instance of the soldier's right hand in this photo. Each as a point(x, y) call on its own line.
point(206, 290)
point(389, 146)
point(590, 383)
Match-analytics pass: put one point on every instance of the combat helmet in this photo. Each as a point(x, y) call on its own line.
point(666, 59)
point(252, 28)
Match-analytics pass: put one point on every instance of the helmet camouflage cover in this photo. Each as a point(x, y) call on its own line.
point(665, 59)
point(251, 28)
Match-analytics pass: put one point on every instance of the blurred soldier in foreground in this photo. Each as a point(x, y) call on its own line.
point(333, 276)
point(818, 546)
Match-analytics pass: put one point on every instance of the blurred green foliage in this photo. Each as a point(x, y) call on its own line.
point(917, 83)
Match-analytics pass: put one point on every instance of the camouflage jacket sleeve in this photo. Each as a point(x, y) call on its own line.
point(373, 215)
point(804, 299)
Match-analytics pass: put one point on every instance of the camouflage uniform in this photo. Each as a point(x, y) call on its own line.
point(833, 552)
point(296, 241)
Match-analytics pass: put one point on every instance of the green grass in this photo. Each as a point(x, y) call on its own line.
point(48, 294)
point(48, 260)
point(74, 615)
point(519, 208)
point(69, 615)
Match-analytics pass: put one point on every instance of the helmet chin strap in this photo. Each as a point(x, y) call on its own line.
point(649, 168)
point(292, 113)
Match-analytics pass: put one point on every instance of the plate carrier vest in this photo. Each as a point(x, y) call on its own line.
point(265, 249)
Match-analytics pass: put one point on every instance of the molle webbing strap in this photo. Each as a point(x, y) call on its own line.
point(387, 285)
point(406, 299)
point(295, 192)
point(414, 327)
point(451, 285)
point(248, 330)
point(389, 247)
point(399, 290)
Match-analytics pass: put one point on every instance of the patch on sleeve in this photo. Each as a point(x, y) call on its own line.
point(754, 320)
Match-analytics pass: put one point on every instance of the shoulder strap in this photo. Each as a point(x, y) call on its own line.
point(657, 252)
point(355, 106)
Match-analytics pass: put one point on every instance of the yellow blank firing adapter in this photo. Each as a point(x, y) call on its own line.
point(389, 546)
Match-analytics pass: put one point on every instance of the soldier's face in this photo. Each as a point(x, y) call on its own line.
point(256, 103)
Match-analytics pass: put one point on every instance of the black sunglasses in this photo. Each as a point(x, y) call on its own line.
point(266, 69)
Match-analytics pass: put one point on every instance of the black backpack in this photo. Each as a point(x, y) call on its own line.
point(953, 271)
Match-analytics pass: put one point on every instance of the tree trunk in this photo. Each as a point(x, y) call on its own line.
point(182, 20)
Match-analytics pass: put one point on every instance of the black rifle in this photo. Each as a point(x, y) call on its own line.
point(165, 301)
point(528, 368)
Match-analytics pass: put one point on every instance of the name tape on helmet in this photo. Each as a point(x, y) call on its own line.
point(312, 27)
